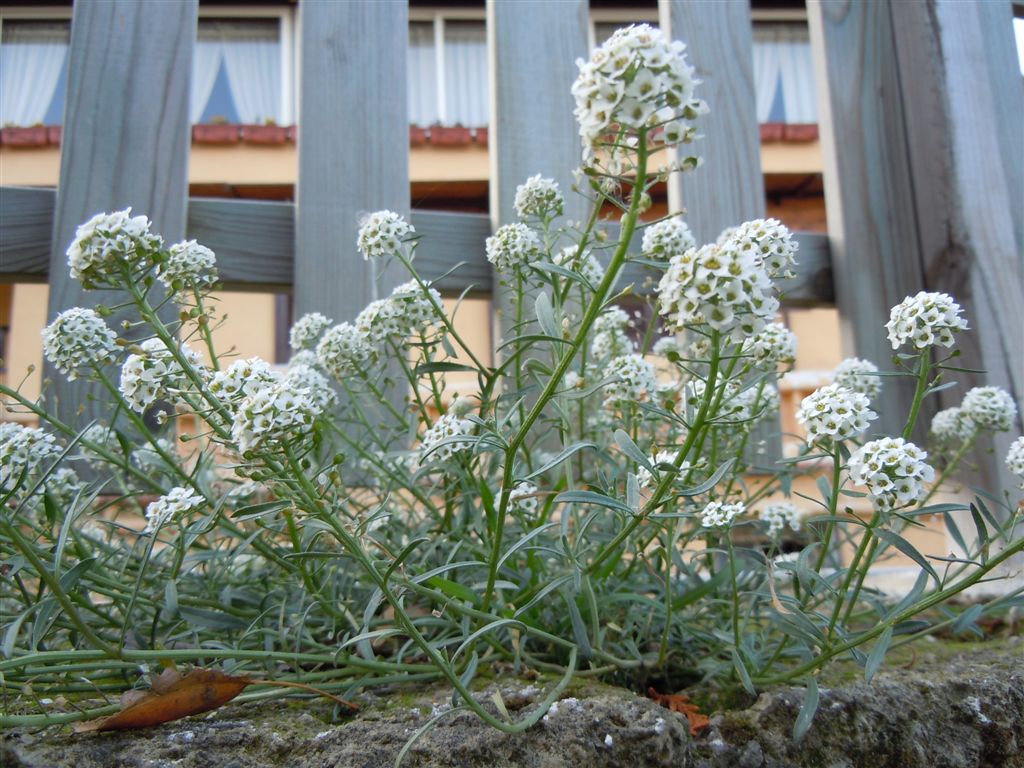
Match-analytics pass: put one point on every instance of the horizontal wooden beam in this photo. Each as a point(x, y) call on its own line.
point(255, 243)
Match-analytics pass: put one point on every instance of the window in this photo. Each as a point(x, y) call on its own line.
point(237, 72)
point(784, 74)
point(33, 71)
point(447, 72)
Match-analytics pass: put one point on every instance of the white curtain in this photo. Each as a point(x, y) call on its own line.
point(421, 69)
point(31, 61)
point(205, 66)
point(782, 59)
point(254, 73)
point(466, 80)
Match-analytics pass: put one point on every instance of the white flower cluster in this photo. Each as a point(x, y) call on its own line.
point(107, 242)
point(276, 413)
point(22, 451)
point(990, 408)
point(407, 311)
point(587, 265)
point(893, 470)
point(154, 374)
point(633, 380)
point(306, 378)
point(382, 233)
point(188, 266)
point(738, 404)
point(952, 427)
point(178, 501)
point(611, 338)
point(644, 475)
point(1015, 460)
point(539, 197)
point(242, 378)
point(77, 341)
point(769, 240)
point(858, 375)
point(634, 81)
point(774, 345)
point(925, 320)
point(448, 426)
point(779, 515)
point(523, 498)
point(513, 245)
point(718, 514)
point(343, 351)
point(834, 412)
point(103, 438)
point(666, 239)
point(725, 287)
point(666, 344)
point(305, 332)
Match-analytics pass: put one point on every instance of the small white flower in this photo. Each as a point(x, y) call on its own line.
point(22, 451)
point(634, 380)
point(834, 412)
point(768, 240)
point(108, 243)
point(666, 239)
point(523, 498)
point(539, 197)
point(779, 515)
point(278, 412)
point(857, 375)
point(718, 514)
point(78, 341)
point(242, 378)
point(990, 408)
point(103, 438)
point(666, 344)
point(155, 374)
point(774, 345)
point(343, 351)
point(308, 379)
point(611, 337)
point(448, 426)
point(925, 320)
point(513, 245)
point(404, 313)
point(952, 427)
point(893, 470)
point(587, 264)
point(189, 266)
point(644, 476)
point(178, 501)
point(382, 234)
point(305, 333)
point(1015, 460)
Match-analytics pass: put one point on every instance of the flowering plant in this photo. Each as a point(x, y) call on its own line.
point(344, 520)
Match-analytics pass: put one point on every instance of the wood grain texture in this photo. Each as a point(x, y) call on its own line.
point(967, 186)
point(869, 190)
point(729, 188)
point(353, 148)
point(126, 137)
point(26, 228)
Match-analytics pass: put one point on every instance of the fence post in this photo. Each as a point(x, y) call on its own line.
point(729, 188)
point(125, 143)
point(532, 45)
point(921, 120)
point(353, 148)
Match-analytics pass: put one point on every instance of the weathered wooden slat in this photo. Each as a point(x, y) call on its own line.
point(353, 148)
point(254, 244)
point(728, 189)
point(126, 137)
point(26, 228)
point(965, 117)
point(868, 183)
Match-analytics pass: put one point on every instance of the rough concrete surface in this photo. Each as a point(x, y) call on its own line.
point(957, 712)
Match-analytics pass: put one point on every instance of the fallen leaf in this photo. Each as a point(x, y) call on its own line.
point(681, 703)
point(172, 697)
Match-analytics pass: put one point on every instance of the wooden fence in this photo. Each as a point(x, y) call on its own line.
point(921, 103)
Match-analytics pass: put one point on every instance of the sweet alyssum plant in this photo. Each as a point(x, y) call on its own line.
point(340, 522)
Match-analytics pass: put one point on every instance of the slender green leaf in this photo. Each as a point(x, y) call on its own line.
point(632, 450)
point(565, 454)
point(546, 314)
point(742, 673)
point(424, 369)
point(591, 497)
point(207, 619)
point(877, 654)
point(807, 710)
point(906, 548)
